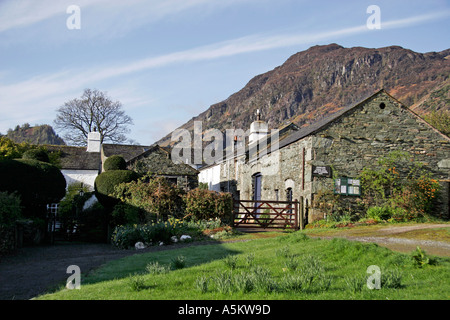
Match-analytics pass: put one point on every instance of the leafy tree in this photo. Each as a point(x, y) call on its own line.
point(10, 150)
point(94, 110)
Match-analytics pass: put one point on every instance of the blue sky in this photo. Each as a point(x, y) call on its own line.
point(169, 60)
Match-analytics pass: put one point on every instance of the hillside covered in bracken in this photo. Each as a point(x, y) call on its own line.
point(317, 82)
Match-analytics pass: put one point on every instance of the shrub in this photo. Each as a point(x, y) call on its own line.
point(10, 209)
point(399, 182)
point(71, 207)
point(380, 213)
point(38, 183)
point(93, 223)
point(107, 181)
point(114, 163)
point(126, 236)
point(124, 214)
point(36, 154)
point(417, 197)
point(10, 212)
point(208, 204)
point(155, 195)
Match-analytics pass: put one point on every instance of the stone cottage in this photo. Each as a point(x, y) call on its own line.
point(333, 152)
point(84, 164)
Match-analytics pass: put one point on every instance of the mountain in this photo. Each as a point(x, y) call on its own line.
point(43, 134)
point(317, 82)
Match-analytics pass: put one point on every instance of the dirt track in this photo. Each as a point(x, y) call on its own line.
point(33, 270)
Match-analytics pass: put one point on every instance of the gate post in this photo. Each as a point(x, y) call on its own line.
point(301, 212)
point(296, 213)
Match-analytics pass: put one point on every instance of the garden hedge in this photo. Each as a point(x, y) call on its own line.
point(115, 163)
point(36, 154)
point(38, 184)
point(105, 183)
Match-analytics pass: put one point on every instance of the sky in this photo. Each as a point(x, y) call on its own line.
point(167, 61)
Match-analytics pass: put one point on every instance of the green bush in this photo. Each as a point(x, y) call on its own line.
point(207, 204)
point(115, 163)
point(107, 181)
point(124, 214)
point(153, 233)
point(380, 213)
point(10, 209)
point(38, 183)
point(36, 154)
point(10, 212)
point(94, 223)
point(155, 195)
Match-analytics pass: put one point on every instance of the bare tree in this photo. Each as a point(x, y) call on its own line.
point(93, 111)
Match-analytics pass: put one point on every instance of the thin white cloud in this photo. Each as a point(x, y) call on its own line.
point(43, 93)
point(106, 14)
point(250, 44)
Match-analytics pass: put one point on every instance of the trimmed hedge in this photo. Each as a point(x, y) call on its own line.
point(36, 154)
point(105, 183)
point(115, 163)
point(38, 183)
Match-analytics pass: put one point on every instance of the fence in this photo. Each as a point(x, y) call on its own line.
point(267, 214)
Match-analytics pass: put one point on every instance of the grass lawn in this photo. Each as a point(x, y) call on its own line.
point(290, 266)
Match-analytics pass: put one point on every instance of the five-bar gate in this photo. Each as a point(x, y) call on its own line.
point(267, 214)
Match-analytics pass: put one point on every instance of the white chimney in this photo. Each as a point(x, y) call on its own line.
point(93, 142)
point(258, 129)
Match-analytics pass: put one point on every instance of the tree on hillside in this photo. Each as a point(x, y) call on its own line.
point(94, 110)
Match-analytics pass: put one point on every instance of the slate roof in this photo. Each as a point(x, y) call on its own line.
point(322, 124)
point(157, 160)
point(128, 152)
point(76, 158)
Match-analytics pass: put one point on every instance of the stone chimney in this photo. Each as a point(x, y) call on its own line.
point(258, 129)
point(93, 141)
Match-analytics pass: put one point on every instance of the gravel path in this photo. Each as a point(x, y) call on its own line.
point(386, 237)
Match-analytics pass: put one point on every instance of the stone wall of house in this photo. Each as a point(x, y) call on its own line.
point(348, 144)
point(374, 129)
point(280, 170)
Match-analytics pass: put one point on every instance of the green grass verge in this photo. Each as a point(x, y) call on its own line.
point(291, 266)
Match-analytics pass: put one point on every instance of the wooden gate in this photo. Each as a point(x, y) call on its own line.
point(266, 214)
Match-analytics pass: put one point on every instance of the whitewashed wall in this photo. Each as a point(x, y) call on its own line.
point(87, 177)
point(211, 176)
